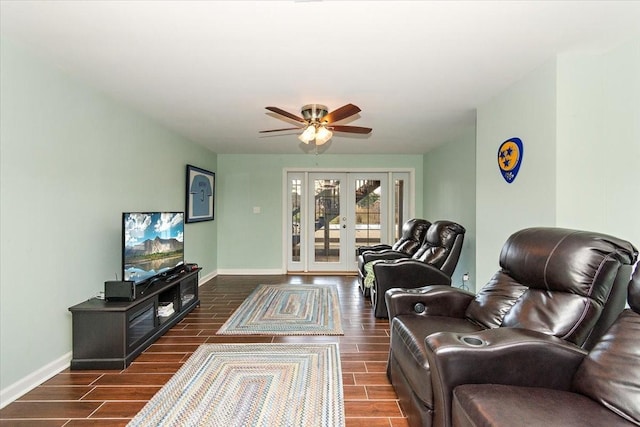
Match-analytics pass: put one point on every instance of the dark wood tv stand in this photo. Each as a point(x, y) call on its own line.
point(110, 334)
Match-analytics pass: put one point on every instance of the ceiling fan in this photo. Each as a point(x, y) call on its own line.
point(317, 122)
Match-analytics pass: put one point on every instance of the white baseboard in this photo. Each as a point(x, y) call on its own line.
point(205, 279)
point(257, 272)
point(33, 380)
point(277, 272)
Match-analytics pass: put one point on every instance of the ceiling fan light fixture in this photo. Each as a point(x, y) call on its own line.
point(308, 135)
point(323, 135)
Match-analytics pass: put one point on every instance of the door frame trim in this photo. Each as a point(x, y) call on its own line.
point(306, 171)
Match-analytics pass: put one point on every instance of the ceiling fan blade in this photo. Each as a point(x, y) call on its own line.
point(351, 129)
point(341, 113)
point(286, 114)
point(278, 130)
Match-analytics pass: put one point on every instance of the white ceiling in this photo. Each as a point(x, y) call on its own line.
point(207, 69)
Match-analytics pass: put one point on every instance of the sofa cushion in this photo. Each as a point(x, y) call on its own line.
point(610, 374)
point(565, 260)
point(438, 243)
point(494, 301)
point(554, 313)
point(413, 233)
point(502, 405)
point(409, 348)
point(569, 275)
point(406, 246)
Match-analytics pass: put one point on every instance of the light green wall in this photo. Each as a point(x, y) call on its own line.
point(526, 110)
point(450, 193)
point(248, 241)
point(71, 162)
point(599, 108)
point(579, 119)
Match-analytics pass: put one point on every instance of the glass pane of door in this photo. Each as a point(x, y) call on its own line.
point(399, 217)
point(296, 217)
point(368, 212)
point(400, 203)
point(326, 215)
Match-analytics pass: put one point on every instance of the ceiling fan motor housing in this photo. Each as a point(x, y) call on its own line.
point(314, 112)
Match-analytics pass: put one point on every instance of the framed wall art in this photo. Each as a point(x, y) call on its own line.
point(200, 194)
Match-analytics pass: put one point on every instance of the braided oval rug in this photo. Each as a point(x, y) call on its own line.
point(266, 385)
point(287, 310)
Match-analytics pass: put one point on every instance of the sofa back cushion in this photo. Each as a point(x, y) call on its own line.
point(413, 233)
point(555, 281)
point(442, 245)
point(494, 301)
point(610, 374)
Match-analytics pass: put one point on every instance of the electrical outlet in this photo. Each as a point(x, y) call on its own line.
point(465, 277)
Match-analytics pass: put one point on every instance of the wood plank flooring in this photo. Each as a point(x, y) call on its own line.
point(112, 397)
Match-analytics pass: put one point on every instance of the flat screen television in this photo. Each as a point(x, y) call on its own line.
point(152, 244)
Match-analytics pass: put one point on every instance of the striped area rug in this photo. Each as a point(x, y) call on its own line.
point(226, 385)
point(287, 310)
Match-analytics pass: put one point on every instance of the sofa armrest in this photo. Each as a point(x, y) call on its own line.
point(387, 254)
point(407, 273)
point(374, 248)
point(436, 300)
point(498, 356)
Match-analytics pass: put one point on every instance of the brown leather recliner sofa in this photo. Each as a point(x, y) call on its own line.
point(599, 388)
point(413, 233)
point(565, 285)
point(432, 264)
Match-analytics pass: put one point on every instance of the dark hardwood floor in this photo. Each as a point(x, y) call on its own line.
point(113, 397)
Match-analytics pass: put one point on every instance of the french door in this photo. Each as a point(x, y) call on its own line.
point(329, 214)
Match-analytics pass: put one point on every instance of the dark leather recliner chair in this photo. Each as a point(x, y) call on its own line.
point(553, 282)
point(413, 233)
point(432, 264)
point(555, 384)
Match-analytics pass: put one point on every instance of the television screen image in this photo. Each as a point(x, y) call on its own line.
point(152, 244)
